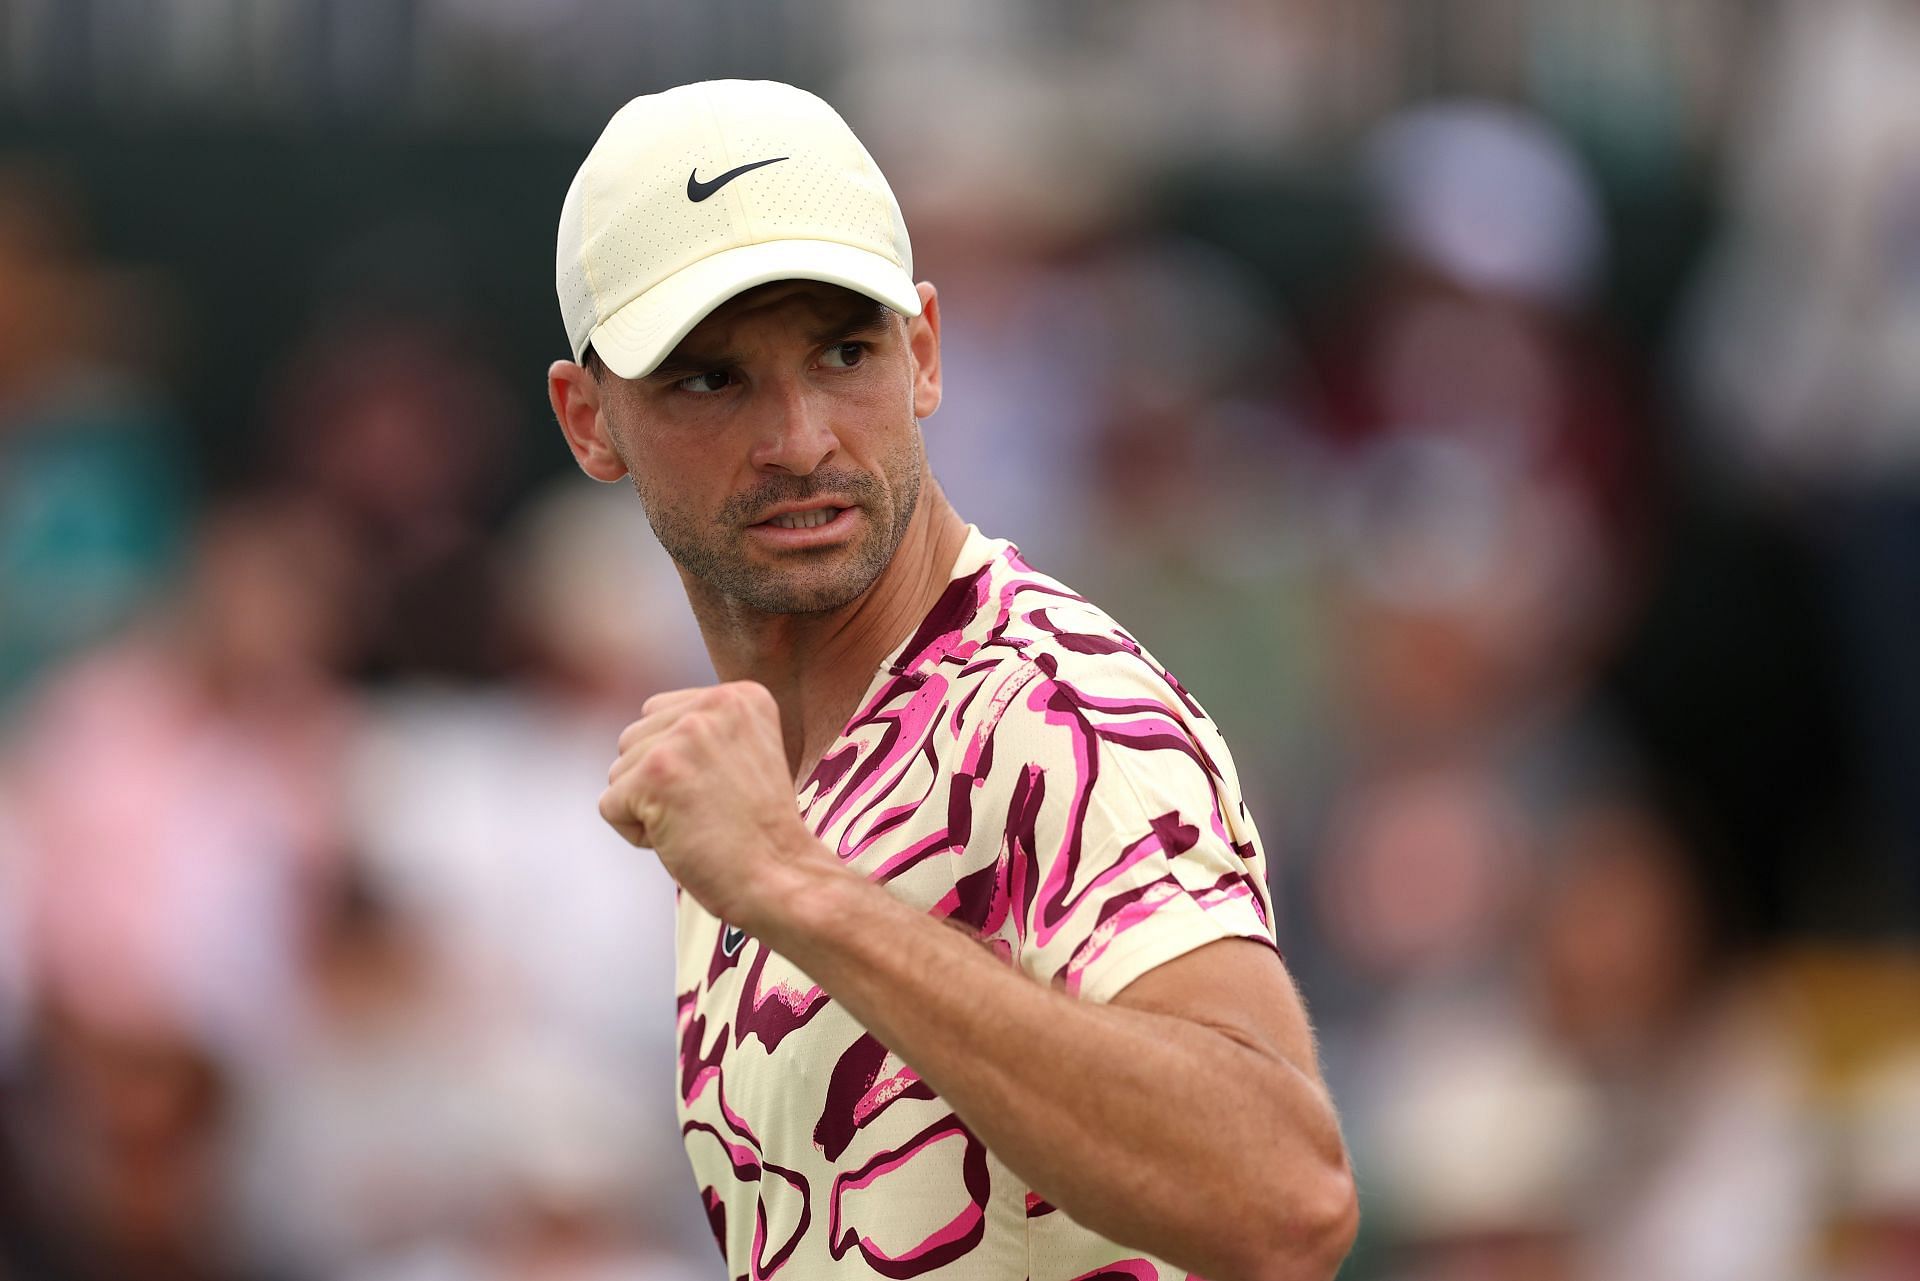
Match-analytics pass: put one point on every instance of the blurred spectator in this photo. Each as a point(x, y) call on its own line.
point(1669, 1141)
point(1708, 1172)
point(1810, 317)
point(418, 1125)
point(1492, 1143)
point(93, 492)
point(120, 1132)
point(1464, 621)
point(1479, 326)
point(575, 1157)
point(1481, 508)
point(1805, 357)
point(367, 1137)
point(478, 810)
point(1426, 875)
point(404, 436)
point(478, 813)
point(175, 794)
point(1020, 346)
point(1202, 502)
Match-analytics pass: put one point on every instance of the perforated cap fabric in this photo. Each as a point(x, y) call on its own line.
point(697, 193)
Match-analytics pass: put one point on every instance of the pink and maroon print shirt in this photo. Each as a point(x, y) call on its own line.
point(1021, 767)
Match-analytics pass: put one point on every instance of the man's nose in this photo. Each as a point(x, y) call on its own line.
point(797, 434)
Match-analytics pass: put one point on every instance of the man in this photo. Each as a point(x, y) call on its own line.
point(976, 965)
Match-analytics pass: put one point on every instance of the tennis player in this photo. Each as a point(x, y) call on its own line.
point(977, 969)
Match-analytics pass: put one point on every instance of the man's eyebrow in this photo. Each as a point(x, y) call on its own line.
point(683, 363)
point(871, 315)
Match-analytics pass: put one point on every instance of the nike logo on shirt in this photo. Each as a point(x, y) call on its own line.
point(698, 191)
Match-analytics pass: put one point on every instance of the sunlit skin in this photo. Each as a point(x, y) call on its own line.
point(801, 394)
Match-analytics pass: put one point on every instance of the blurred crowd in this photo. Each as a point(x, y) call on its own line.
point(1566, 655)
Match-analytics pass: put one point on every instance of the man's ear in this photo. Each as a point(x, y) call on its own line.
point(577, 402)
point(923, 343)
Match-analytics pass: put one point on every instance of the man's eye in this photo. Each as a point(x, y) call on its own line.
point(844, 355)
point(711, 381)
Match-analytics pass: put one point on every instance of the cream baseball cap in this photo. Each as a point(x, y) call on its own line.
point(697, 193)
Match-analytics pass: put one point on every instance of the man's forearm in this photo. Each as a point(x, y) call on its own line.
point(1153, 1130)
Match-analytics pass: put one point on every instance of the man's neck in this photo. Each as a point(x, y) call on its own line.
point(818, 665)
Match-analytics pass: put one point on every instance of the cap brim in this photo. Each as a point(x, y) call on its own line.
point(634, 340)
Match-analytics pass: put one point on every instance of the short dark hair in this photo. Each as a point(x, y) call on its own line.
point(591, 359)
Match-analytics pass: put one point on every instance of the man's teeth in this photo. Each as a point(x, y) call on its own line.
point(805, 519)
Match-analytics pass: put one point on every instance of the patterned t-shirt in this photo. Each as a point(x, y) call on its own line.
point(1023, 768)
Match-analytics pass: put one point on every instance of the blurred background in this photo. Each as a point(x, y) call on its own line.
point(1503, 414)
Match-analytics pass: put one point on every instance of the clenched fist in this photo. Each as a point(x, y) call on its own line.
point(702, 778)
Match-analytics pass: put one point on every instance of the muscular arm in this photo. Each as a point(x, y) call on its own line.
point(1185, 1119)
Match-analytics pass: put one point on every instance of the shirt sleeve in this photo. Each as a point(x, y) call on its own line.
point(1126, 843)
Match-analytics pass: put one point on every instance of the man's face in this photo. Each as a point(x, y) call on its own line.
point(776, 450)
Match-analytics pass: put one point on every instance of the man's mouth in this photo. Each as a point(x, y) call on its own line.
point(808, 519)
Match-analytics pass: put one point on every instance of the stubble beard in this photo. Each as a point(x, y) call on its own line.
point(805, 582)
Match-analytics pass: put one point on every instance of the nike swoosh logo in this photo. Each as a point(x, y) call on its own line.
point(698, 191)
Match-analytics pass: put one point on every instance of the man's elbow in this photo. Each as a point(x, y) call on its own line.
point(1336, 1223)
point(1311, 1241)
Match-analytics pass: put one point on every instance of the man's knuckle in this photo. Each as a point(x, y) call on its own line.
point(661, 766)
